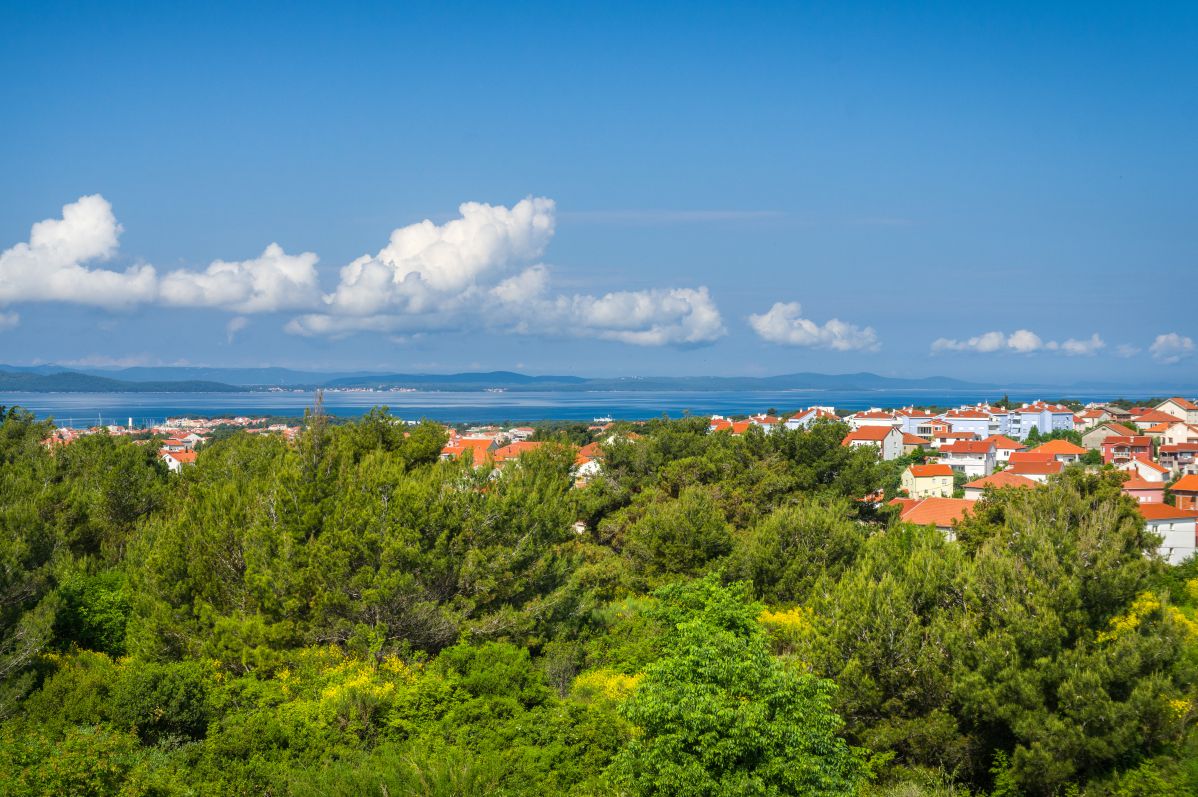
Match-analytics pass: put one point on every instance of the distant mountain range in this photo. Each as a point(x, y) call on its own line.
point(184, 379)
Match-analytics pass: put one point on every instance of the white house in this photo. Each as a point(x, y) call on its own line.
point(974, 458)
point(804, 419)
point(1147, 470)
point(872, 417)
point(1176, 526)
point(1044, 417)
point(887, 439)
point(1004, 447)
point(175, 460)
point(968, 419)
point(1182, 409)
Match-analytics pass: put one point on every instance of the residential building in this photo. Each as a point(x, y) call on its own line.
point(1061, 451)
point(175, 460)
point(1180, 458)
point(1043, 417)
point(1177, 528)
point(1093, 438)
point(887, 439)
point(1004, 447)
point(1121, 450)
point(1180, 408)
point(926, 481)
point(973, 458)
point(913, 442)
point(1147, 469)
point(1036, 471)
point(1185, 492)
point(943, 513)
point(804, 419)
point(996, 481)
point(872, 417)
point(1144, 491)
point(966, 419)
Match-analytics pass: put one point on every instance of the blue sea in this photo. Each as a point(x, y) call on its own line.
point(86, 409)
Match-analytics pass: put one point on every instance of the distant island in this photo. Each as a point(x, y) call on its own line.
point(186, 379)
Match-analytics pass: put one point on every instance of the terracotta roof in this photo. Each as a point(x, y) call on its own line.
point(968, 447)
point(1143, 484)
point(976, 414)
point(871, 434)
point(1185, 404)
point(914, 440)
point(1186, 484)
point(939, 512)
point(179, 456)
point(1138, 440)
point(1152, 465)
point(513, 450)
point(1037, 468)
point(874, 414)
point(1179, 448)
point(1165, 512)
point(927, 471)
point(1004, 478)
point(1003, 443)
point(1154, 416)
point(1058, 447)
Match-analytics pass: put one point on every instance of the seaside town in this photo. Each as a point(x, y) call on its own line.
point(955, 455)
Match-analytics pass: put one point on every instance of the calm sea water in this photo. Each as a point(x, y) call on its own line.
point(84, 409)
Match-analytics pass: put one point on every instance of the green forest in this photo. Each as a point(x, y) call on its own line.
point(347, 614)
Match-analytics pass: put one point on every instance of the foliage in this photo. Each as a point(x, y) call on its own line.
point(348, 614)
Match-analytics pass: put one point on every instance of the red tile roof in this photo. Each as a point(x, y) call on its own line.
point(868, 434)
point(1058, 447)
point(914, 440)
point(1154, 416)
point(940, 512)
point(1037, 468)
point(1185, 404)
point(968, 447)
point(1137, 483)
point(1003, 443)
point(1165, 512)
point(1186, 484)
point(928, 471)
point(1004, 478)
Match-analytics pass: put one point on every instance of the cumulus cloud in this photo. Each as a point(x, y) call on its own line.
point(783, 323)
point(52, 265)
point(9, 320)
point(1171, 348)
point(1126, 350)
point(426, 265)
point(1021, 341)
point(271, 282)
point(474, 272)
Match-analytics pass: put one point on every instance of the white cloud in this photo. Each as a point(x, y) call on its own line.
point(1021, 341)
point(271, 282)
point(1084, 348)
point(51, 266)
point(235, 325)
point(783, 323)
point(1171, 348)
point(425, 265)
point(477, 271)
point(1126, 350)
point(9, 320)
point(473, 273)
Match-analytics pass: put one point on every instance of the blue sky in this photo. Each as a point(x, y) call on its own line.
point(914, 179)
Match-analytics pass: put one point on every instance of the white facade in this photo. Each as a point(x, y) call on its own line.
point(1178, 543)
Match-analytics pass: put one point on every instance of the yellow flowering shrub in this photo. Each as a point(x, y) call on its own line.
point(604, 686)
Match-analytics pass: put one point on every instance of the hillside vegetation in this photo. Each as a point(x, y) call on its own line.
point(716, 615)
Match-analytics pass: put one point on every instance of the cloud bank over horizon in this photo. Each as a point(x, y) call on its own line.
point(428, 277)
